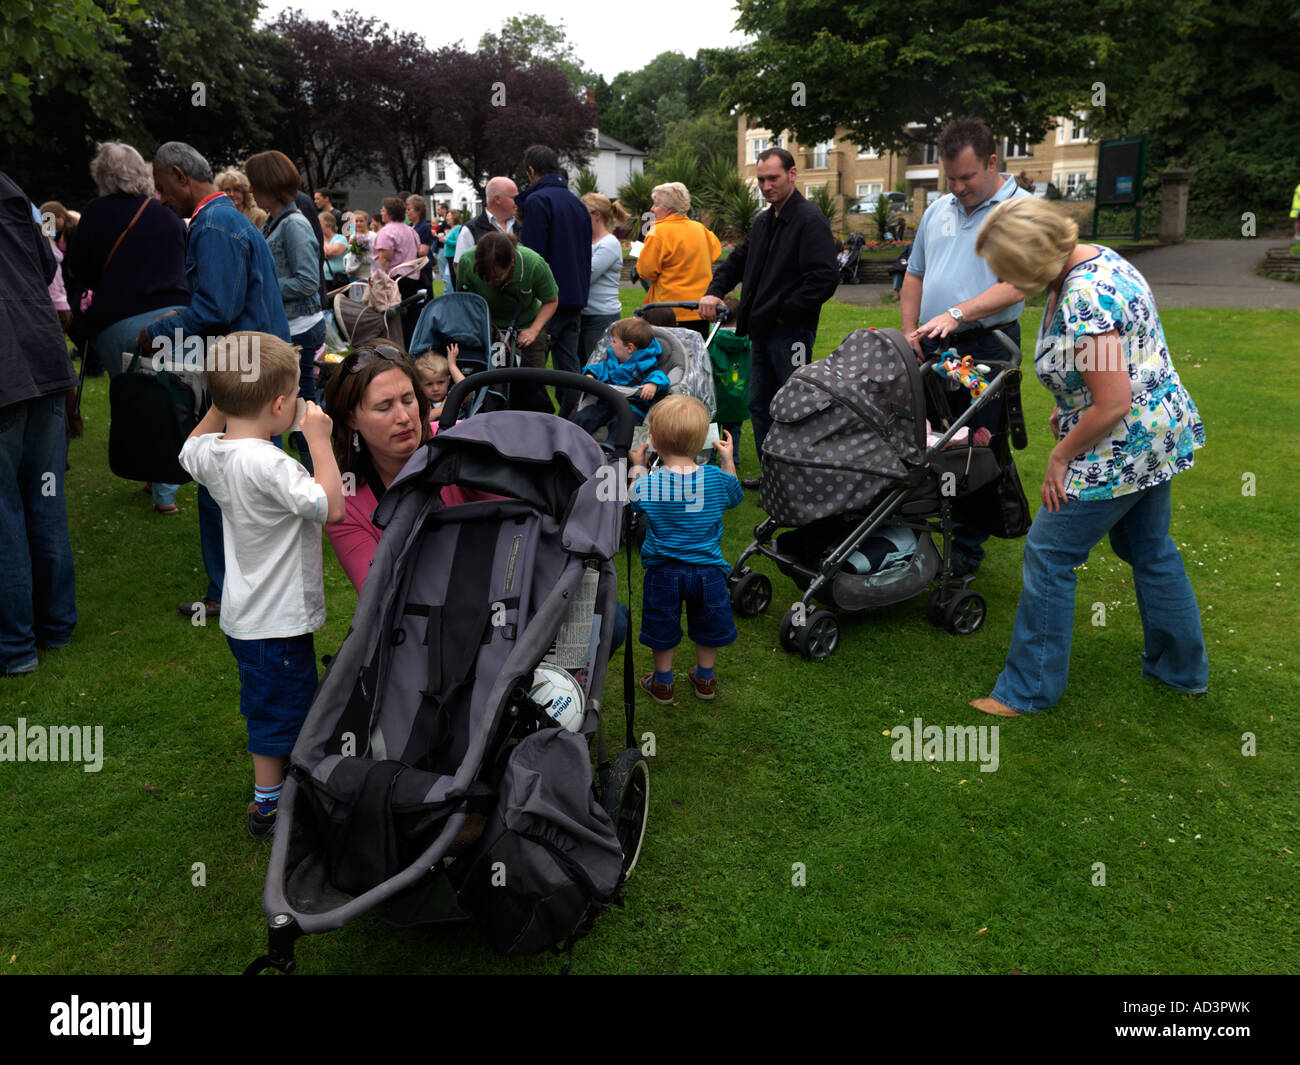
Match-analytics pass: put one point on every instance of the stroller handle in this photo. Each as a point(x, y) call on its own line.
point(689, 305)
point(534, 375)
point(1011, 362)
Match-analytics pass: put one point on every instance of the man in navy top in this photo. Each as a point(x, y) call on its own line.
point(558, 227)
point(948, 286)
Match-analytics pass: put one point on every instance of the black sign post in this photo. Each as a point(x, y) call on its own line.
point(1121, 175)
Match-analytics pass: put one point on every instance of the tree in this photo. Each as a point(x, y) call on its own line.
point(1220, 96)
point(875, 68)
point(531, 38)
point(708, 134)
point(490, 107)
point(174, 72)
point(325, 80)
point(643, 104)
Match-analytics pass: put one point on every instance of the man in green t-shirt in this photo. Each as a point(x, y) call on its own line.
point(519, 288)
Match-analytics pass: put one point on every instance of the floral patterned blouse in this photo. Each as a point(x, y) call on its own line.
point(1156, 438)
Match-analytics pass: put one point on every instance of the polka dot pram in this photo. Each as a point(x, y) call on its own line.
point(846, 461)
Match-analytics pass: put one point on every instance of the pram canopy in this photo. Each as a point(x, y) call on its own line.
point(844, 428)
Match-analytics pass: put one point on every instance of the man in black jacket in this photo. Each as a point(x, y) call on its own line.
point(787, 270)
point(38, 606)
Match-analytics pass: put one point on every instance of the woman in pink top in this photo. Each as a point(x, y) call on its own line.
point(396, 243)
point(381, 416)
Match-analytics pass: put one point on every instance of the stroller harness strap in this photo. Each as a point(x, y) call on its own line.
point(455, 631)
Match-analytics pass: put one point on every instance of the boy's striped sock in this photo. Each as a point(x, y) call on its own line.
point(266, 798)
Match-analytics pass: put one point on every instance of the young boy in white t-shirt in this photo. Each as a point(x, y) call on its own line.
point(271, 508)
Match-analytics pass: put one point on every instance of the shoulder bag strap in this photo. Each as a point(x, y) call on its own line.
point(113, 250)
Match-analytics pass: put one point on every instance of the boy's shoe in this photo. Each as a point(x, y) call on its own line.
point(704, 689)
point(660, 693)
point(260, 825)
point(211, 609)
point(751, 482)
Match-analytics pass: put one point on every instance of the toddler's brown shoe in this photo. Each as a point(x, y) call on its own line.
point(704, 689)
point(660, 693)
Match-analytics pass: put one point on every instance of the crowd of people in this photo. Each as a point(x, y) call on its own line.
point(168, 249)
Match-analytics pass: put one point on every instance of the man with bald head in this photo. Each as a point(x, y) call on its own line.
point(499, 215)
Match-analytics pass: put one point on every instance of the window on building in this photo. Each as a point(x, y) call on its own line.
point(1017, 147)
point(1078, 128)
point(441, 170)
point(808, 190)
point(868, 153)
point(929, 155)
point(1078, 183)
point(869, 188)
point(760, 146)
point(822, 155)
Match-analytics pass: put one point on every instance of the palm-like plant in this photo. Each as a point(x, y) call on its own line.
point(825, 202)
point(636, 197)
point(881, 215)
point(738, 209)
point(717, 177)
point(586, 182)
point(680, 164)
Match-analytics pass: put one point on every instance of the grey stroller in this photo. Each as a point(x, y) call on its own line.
point(848, 469)
point(431, 780)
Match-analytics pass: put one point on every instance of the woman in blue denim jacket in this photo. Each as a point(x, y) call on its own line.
point(296, 251)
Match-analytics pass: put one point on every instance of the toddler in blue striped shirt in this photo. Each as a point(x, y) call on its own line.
point(682, 553)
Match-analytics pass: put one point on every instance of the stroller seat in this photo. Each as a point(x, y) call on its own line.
point(685, 361)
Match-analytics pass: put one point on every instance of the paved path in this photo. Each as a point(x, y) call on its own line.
point(1196, 273)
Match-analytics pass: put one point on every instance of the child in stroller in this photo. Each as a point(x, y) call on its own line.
point(631, 359)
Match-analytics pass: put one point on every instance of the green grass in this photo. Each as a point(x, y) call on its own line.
point(909, 867)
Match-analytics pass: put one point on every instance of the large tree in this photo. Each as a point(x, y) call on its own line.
point(642, 104)
point(1220, 95)
point(490, 107)
point(325, 82)
point(876, 66)
point(167, 70)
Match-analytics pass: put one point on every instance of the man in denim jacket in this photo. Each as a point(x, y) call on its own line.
point(233, 287)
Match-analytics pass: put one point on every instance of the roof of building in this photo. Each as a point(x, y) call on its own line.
point(606, 143)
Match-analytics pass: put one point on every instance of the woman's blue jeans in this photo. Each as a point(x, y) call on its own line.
point(119, 338)
point(1038, 663)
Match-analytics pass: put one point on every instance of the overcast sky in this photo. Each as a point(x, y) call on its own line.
point(608, 38)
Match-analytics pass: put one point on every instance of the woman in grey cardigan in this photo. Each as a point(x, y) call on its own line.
point(296, 251)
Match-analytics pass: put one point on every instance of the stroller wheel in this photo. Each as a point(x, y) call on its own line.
point(626, 800)
point(965, 613)
point(820, 636)
point(751, 595)
point(790, 632)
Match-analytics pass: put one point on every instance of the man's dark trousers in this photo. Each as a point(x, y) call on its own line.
point(773, 356)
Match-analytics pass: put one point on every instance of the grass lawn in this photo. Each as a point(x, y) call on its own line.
point(910, 867)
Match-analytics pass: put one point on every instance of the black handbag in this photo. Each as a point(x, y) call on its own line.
point(152, 414)
point(999, 508)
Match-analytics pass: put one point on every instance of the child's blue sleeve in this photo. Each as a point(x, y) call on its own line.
point(732, 486)
point(657, 378)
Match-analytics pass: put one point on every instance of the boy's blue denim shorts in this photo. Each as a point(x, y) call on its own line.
point(708, 606)
point(277, 680)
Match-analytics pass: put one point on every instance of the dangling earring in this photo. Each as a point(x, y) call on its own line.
point(356, 441)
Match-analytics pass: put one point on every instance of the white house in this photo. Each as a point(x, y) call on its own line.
point(613, 163)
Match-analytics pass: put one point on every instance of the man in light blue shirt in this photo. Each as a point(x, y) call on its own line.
point(948, 286)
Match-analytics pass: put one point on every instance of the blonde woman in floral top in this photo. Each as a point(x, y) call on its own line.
point(1125, 427)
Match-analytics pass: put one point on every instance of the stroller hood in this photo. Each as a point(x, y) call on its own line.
point(843, 429)
point(537, 458)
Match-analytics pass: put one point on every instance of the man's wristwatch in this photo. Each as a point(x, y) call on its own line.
point(957, 316)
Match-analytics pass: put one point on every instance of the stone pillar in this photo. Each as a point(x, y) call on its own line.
point(1173, 205)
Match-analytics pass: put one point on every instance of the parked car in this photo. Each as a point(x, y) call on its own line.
point(898, 204)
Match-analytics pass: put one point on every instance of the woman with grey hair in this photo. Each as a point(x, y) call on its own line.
point(678, 255)
point(129, 250)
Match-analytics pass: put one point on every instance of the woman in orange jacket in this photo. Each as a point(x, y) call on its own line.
point(678, 254)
